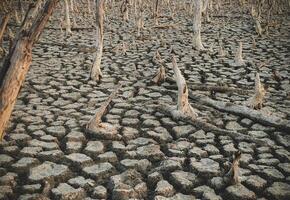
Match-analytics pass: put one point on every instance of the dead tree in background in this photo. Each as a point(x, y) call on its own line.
point(197, 25)
point(67, 19)
point(96, 73)
point(5, 10)
point(17, 62)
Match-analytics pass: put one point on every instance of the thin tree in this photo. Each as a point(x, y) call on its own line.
point(96, 73)
point(197, 44)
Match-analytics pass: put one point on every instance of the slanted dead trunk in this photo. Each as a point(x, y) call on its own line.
point(183, 105)
point(17, 62)
point(197, 44)
point(96, 73)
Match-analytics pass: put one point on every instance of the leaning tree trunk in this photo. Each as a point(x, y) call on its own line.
point(17, 62)
point(96, 73)
point(197, 25)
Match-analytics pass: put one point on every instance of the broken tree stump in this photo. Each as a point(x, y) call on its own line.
point(183, 105)
point(96, 128)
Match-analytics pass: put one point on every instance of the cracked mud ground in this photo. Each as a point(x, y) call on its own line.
point(156, 157)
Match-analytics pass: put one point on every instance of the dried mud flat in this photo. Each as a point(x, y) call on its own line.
point(152, 156)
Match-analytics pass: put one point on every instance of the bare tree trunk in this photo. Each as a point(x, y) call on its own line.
point(17, 62)
point(96, 73)
point(156, 12)
point(3, 27)
point(183, 105)
point(197, 25)
point(67, 19)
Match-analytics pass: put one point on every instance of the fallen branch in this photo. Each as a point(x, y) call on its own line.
point(244, 112)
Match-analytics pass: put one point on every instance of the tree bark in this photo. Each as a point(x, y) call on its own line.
point(197, 25)
point(96, 73)
point(17, 62)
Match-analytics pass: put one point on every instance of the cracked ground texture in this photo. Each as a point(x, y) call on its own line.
point(154, 156)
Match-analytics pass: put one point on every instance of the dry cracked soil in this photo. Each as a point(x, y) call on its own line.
point(153, 155)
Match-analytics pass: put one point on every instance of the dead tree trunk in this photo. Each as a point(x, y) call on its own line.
point(183, 105)
point(3, 25)
point(197, 25)
point(17, 62)
point(156, 12)
point(96, 73)
point(67, 19)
